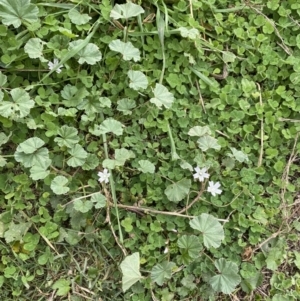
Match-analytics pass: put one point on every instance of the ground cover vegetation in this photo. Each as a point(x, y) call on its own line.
point(148, 150)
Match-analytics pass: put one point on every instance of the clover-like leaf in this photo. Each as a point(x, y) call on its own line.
point(78, 156)
point(126, 11)
point(227, 278)
point(58, 185)
point(34, 48)
point(206, 142)
point(90, 54)
point(128, 51)
point(210, 227)
point(199, 131)
point(138, 80)
point(14, 12)
point(77, 18)
point(192, 33)
point(130, 268)
point(179, 190)
point(162, 271)
point(162, 97)
point(126, 105)
point(30, 145)
point(99, 200)
point(20, 105)
point(146, 166)
point(83, 206)
point(111, 125)
point(191, 244)
point(68, 136)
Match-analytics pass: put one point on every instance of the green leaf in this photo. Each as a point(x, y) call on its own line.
point(178, 191)
point(29, 160)
point(16, 232)
point(228, 57)
point(73, 96)
point(91, 162)
point(58, 185)
point(30, 145)
point(34, 48)
point(15, 12)
point(239, 155)
point(69, 136)
point(90, 54)
point(191, 244)
point(126, 11)
point(3, 79)
point(128, 51)
point(228, 277)
point(111, 125)
point(83, 205)
point(212, 230)
point(138, 80)
point(20, 105)
point(77, 18)
point(130, 268)
point(162, 271)
point(206, 142)
point(99, 200)
point(126, 105)
point(199, 131)
point(162, 97)
point(78, 156)
point(39, 170)
point(146, 166)
point(62, 286)
point(121, 156)
point(189, 33)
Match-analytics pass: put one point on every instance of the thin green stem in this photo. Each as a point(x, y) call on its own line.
point(112, 185)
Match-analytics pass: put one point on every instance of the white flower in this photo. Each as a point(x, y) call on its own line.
point(213, 188)
point(200, 174)
point(103, 176)
point(54, 64)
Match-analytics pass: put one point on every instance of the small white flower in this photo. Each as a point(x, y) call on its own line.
point(200, 174)
point(103, 176)
point(53, 65)
point(213, 188)
point(166, 250)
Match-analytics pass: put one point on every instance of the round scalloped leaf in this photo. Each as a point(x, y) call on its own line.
point(178, 191)
point(99, 200)
point(162, 271)
point(126, 11)
point(199, 131)
point(58, 185)
point(128, 51)
point(77, 18)
point(130, 268)
point(212, 230)
point(126, 105)
point(29, 160)
point(39, 170)
point(191, 244)
point(14, 12)
point(30, 145)
point(111, 125)
point(162, 97)
point(90, 54)
point(34, 48)
point(138, 80)
point(78, 156)
point(227, 278)
point(206, 142)
point(83, 206)
point(20, 105)
point(68, 136)
point(146, 166)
